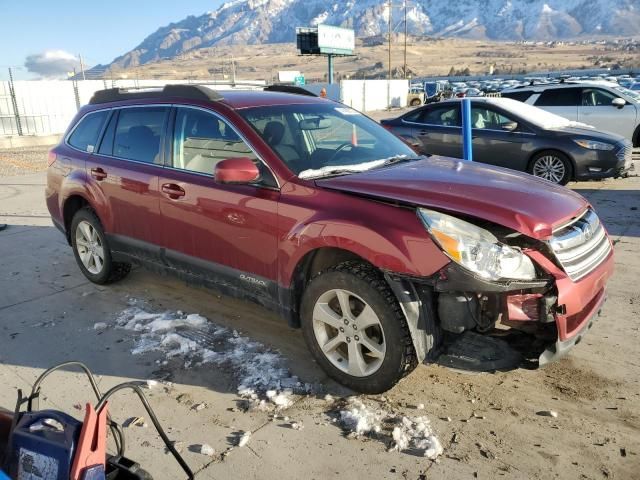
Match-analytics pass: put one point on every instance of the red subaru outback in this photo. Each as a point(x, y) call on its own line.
point(385, 259)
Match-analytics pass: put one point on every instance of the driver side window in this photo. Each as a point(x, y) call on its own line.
point(485, 118)
point(202, 139)
point(595, 97)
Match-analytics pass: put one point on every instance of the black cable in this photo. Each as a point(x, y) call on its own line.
point(118, 435)
point(136, 388)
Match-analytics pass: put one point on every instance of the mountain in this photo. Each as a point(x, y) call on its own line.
point(274, 21)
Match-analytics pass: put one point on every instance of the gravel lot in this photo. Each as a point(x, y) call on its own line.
point(20, 161)
point(490, 425)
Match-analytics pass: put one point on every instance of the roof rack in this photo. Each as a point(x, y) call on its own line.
point(289, 89)
point(193, 92)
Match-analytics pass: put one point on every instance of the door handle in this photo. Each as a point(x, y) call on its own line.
point(424, 132)
point(173, 191)
point(98, 173)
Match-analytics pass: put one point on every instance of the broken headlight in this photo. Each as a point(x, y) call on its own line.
point(477, 249)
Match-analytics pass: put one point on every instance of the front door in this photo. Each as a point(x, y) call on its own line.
point(597, 110)
point(498, 139)
point(222, 234)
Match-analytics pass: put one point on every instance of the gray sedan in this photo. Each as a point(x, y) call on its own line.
point(515, 135)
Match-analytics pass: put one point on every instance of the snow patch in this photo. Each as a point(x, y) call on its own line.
point(406, 433)
point(263, 378)
point(360, 419)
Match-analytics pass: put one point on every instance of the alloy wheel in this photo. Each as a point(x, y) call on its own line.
point(550, 168)
point(90, 248)
point(349, 333)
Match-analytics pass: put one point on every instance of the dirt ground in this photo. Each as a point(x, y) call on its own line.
point(424, 57)
point(489, 424)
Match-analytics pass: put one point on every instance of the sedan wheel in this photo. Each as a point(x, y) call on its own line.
point(550, 167)
point(90, 249)
point(349, 333)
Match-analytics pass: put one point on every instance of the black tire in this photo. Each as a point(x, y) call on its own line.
point(568, 166)
point(111, 271)
point(415, 102)
point(367, 283)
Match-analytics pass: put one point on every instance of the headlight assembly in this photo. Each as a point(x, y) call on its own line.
point(593, 144)
point(477, 249)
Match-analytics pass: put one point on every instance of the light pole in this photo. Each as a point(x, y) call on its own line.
point(405, 38)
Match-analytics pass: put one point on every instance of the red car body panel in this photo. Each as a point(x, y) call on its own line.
point(389, 237)
point(505, 197)
point(582, 299)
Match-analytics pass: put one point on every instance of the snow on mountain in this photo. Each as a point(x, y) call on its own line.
point(274, 21)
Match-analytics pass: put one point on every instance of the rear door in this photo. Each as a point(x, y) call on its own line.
point(438, 130)
point(563, 101)
point(596, 109)
point(493, 140)
point(225, 234)
point(124, 171)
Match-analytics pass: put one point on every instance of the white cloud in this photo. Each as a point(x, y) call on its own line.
point(52, 63)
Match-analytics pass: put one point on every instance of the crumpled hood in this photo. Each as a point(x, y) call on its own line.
point(519, 201)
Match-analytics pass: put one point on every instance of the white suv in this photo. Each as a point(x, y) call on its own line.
point(604, 105)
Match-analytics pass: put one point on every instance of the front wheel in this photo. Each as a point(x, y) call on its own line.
point(552, 166)
point(355, 329)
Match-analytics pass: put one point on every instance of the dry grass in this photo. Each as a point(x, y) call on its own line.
point(424, 57)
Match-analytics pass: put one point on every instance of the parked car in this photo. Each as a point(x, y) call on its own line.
point(315, 211)
point(510, 134)
point(605, 105)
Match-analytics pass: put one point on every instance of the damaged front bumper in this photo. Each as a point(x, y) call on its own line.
point(555, 310)
point(561, 347)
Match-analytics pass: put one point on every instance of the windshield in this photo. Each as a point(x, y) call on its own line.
point(322, 139)
point(628, 92)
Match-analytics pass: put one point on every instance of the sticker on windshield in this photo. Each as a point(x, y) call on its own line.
point(346, 111)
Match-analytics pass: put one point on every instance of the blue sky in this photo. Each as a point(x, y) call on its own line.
point(99, 30)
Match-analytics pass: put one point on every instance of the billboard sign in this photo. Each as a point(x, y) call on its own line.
point(288, 76)
point(336, 40)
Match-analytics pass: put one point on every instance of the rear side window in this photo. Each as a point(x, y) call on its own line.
point(85, 135)
point(413, 116)
point(521, 96)
point(445, 116)
point(559, 97)
point(139, 132)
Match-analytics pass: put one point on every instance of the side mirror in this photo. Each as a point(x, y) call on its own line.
point(239, 170)
point(618, 102)
point(510, 127)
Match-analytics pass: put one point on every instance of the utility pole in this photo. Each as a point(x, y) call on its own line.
point(405, 39)
point(390, 32)
point(82, 67)
point(14, 102)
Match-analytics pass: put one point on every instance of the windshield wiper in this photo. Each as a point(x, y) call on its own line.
point(400, 159)
point(356, 168)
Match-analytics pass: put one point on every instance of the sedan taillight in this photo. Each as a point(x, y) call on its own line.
point(52, 157)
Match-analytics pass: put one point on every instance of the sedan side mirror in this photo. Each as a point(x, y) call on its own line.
point(510, 127)
point(241, 170)
point(618, 102)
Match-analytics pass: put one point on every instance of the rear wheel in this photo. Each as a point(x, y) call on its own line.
point(415, 102)
point(552, 166)
point(355, 329)
point(92, 251)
